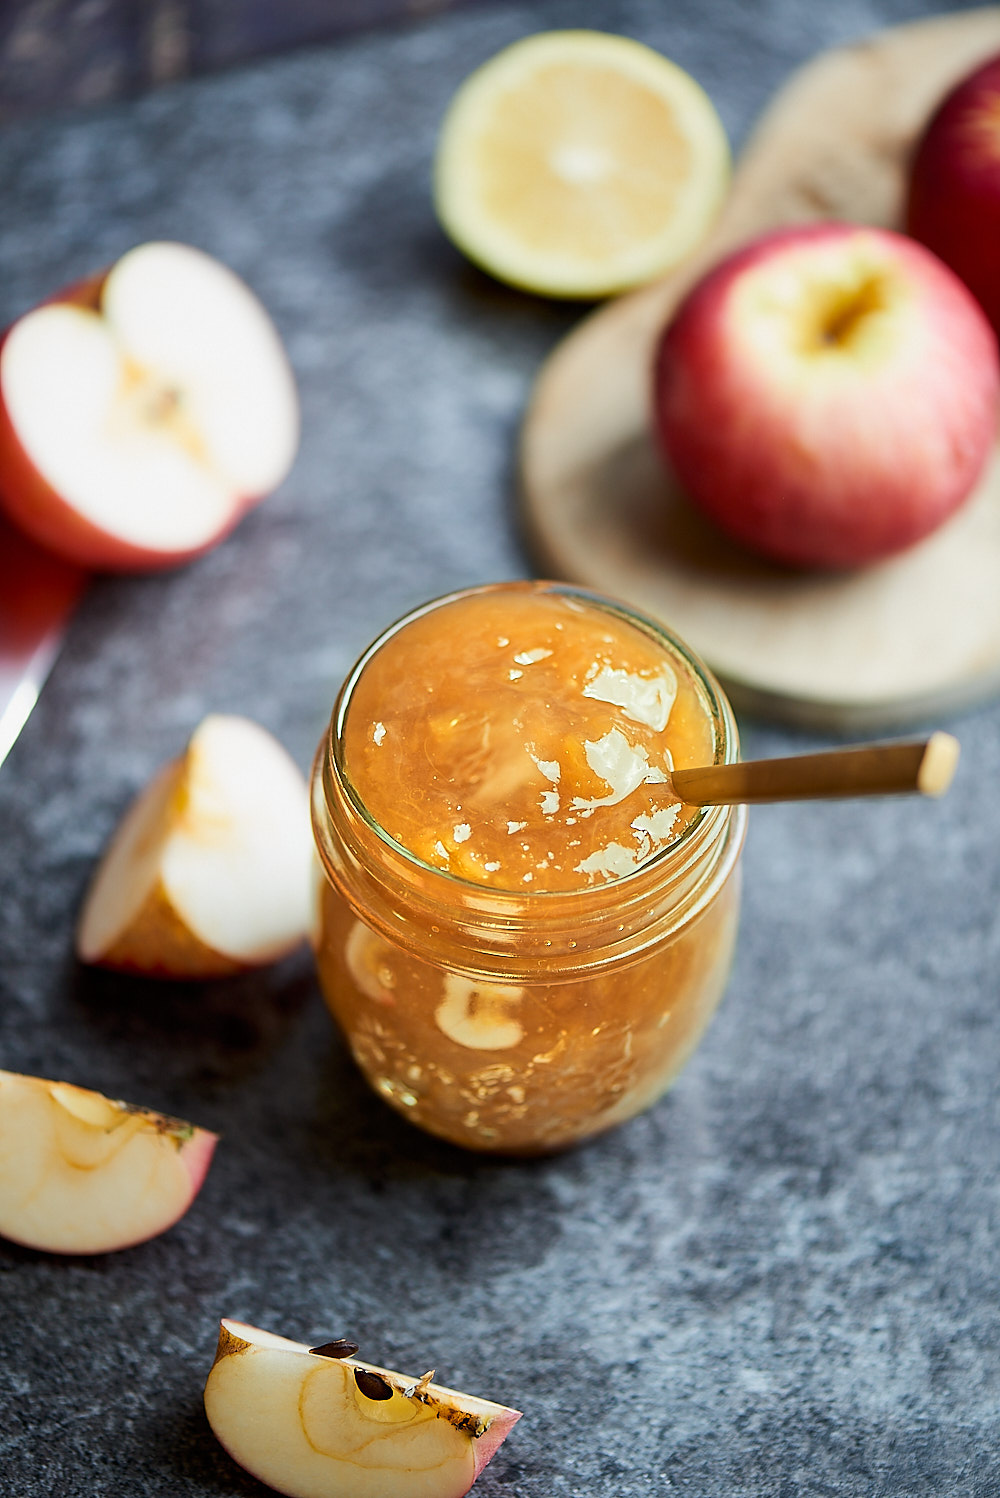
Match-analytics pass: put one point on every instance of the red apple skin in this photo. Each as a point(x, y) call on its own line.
point(196, 1157)
point(953, 199)
point(489, 1443)
point(834, 469)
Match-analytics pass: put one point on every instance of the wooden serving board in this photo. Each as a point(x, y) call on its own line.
point(913, 637)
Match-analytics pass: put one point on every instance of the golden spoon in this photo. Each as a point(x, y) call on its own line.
point(925, 766)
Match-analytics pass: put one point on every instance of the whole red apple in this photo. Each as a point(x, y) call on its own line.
point(953, 202)
point(144, 411)
point(828, 395)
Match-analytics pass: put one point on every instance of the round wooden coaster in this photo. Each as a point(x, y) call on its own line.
point(893, 644)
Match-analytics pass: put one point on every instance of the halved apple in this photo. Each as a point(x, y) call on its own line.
point(211, 869)
point(313, 1424)
point(81, 1174)
point(144, 411)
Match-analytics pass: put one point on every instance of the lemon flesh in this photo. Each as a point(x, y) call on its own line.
point(577, 164)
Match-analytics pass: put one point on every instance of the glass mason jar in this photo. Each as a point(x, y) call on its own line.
point(521, 1022)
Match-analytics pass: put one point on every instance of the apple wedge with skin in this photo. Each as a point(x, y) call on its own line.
point(211, 870)
point(312, 1425)
point(144, 411)
point(82, 1174)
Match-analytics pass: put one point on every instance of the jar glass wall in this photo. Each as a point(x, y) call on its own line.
point(505, 1017)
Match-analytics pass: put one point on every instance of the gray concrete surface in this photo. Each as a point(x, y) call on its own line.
point(781, 1280)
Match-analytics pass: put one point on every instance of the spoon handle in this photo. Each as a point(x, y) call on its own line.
point(925, 766)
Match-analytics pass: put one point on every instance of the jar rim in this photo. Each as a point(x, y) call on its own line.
point(705, 824)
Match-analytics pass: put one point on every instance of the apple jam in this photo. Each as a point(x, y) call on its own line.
point(524, 932)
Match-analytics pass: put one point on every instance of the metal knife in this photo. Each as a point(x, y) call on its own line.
point(38, 592)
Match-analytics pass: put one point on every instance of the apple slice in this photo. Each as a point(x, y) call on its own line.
point(144, 411)
point(315, 1424)
point(212, 868)
point(80, 1174)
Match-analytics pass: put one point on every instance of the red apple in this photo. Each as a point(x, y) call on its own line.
point(953, 202)
point(828, 394)
point(144, 411)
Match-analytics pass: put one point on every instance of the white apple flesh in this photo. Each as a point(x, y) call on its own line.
point(142, 413)
point(211, 871)
point(82, 1174)
point(828, 395)
point(314, 1426)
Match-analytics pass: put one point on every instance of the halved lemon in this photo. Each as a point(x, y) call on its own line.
point(577, 164)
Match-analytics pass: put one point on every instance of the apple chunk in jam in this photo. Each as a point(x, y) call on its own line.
point(523, 931)
point(524, 740)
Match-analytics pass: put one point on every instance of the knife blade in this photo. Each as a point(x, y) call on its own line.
point(38, 592)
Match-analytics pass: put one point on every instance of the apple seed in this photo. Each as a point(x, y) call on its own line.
point(372, 1385)
point(341, 1347)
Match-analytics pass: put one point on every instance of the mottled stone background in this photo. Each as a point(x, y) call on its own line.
point(59, 52)
point(781, 1280)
